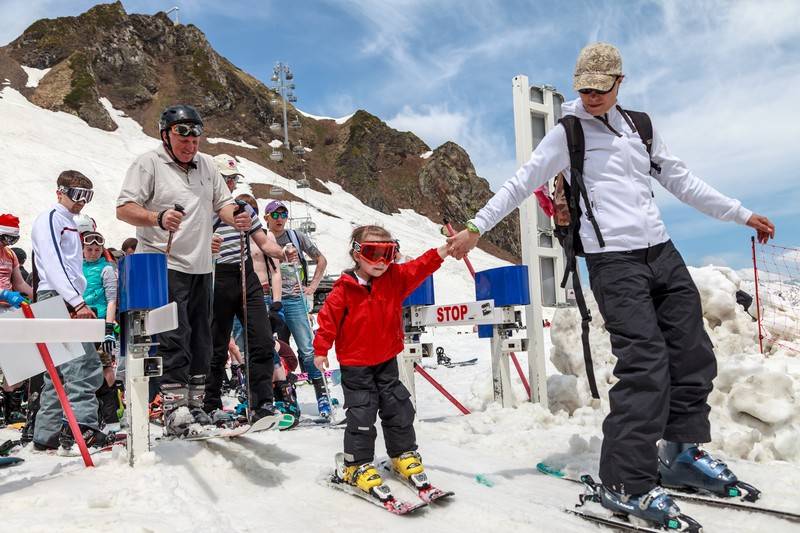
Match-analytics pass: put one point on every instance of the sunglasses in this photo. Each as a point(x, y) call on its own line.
point(9, 240)
point(375, 252)
point(185, 130)
point(77, 194)
point(598, 92)
point(93, 238)
point(233, 177)
point(279, 214)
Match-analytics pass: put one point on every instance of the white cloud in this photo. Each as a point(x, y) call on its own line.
point(437, 124)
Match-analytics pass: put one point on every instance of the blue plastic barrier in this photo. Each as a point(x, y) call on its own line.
point(506, 285)
point(142, 282)
point(422, 295)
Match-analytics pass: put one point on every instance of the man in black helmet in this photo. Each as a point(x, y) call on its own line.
point(175, 174)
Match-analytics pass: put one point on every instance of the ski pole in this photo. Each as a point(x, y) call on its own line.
point(44, 352)
point(180, 209)
point(243, 274)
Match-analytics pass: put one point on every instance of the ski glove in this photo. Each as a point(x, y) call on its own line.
point(545, 202)
point(12, 298)
point(109, 341)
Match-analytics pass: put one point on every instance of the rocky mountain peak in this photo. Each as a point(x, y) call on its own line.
point(142, 63)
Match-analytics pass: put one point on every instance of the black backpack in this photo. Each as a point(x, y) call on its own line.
point(567, 218)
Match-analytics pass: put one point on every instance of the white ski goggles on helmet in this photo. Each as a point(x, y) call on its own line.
point(77, 194)
point(185, 130)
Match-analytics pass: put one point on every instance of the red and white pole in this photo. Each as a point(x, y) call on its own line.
point(758, 299)
point(441, 389)
point(62, 395)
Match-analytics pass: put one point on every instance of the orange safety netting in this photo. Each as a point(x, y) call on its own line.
point(777, 279)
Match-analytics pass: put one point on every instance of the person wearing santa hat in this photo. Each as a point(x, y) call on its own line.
point(11, 278)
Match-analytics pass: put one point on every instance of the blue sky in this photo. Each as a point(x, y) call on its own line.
point(719, 78)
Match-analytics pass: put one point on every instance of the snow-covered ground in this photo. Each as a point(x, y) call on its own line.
point(269, 481)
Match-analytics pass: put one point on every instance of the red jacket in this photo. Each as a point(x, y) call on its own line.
point(366, 323)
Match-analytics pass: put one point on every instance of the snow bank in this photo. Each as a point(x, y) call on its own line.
point(35, 75)
point(216, 140)
point(340, 120)
point(756, 398)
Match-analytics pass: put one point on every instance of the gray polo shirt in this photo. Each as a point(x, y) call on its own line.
point(156, 182)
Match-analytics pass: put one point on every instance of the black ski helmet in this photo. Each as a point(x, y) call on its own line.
point(177, 114)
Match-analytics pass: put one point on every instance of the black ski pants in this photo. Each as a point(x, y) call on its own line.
point(369, 391)
point(186, 350)
point(665, 361)
point(227, 304)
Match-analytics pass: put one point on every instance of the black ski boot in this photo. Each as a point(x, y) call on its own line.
point(34, 390)
point(286, 400)
point(94, 439)
point(652, 508)
point(197, 394)
point(685, 466)
point(323, 402)
point(175, 409)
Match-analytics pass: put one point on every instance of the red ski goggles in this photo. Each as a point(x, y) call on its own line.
point(375, 252)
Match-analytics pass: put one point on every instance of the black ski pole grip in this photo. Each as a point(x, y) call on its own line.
point(239, 207)
point(179, 207)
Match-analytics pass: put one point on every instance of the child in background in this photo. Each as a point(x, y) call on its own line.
point(362, 315)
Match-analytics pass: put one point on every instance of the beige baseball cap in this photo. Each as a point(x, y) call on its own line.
point(598, 66)
point(227, 165)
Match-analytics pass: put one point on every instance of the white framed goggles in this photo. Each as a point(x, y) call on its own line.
point(186, 130)
point(77, 194)
point(93, 238)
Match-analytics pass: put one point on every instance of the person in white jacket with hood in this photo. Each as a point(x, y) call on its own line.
point(58, 273)
point(645, 294)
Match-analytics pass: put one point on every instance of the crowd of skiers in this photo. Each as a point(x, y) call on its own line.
point(71, 260)
point(227, 274)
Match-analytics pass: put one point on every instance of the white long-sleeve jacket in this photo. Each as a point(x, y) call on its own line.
point(617, 177)
point(58, 254)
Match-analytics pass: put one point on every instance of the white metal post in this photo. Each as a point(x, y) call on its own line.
point(411, 355)
point(501, 371)
point(526, 110)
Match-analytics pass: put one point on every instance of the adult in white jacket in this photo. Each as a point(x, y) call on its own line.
point(58, 272)
point(649, 303)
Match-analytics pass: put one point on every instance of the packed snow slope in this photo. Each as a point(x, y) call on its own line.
point(269, 481)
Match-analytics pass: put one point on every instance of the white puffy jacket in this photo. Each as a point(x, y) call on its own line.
point(617, 178)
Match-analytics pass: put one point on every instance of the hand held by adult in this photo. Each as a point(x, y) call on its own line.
point(765, 229)
point(461, 243)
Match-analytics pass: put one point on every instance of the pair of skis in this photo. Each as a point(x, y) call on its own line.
point(697, 498)
point(276, 422)
point(382, 495)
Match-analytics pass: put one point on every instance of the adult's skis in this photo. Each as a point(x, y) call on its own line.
point(701, 499)
point(276, 422)
point(10, 461)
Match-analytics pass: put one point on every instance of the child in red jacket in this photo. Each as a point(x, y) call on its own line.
point(362, 314)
